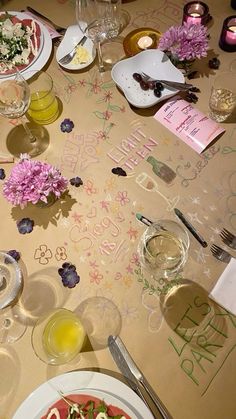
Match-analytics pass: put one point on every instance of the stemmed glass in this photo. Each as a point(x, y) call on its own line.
point(96, 19)
point(14, 102)
point(10, 287)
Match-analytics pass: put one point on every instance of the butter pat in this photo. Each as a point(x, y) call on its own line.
point(81, 56)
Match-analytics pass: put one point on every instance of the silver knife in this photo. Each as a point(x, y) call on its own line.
point(130, 370)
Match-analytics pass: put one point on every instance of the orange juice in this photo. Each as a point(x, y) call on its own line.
point(43, 107)
point(63, 335)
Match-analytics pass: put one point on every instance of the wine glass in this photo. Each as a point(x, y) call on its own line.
point(10, 287)
point(97, 19)
point(14, 102)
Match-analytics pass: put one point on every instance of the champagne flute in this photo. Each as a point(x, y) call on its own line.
point(10, 287)
point(14, 102)
point(96, 19)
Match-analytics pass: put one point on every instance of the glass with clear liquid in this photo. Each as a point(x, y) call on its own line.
point(163, 248)
point(223, 96)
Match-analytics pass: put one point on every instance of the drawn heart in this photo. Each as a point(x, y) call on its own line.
point(92, 213)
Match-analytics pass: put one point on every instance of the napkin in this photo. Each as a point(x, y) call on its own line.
point(224, 292)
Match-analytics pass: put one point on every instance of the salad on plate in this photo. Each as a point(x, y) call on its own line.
point(19, 40)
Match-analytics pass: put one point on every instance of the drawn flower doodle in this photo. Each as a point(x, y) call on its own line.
point(61, 253)
point(135, 259)
point(107, 115)
point(127, 280)
point(107, 96)
point(89, 188)
point(132, 233)
point(122, 197)
point(43, 254)
point(129, 313)
point(95, 276)
point(151, 303)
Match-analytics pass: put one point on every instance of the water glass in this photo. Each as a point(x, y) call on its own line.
point(223, 96)
point(58, 336)
point(43, 108)
point(163, 248)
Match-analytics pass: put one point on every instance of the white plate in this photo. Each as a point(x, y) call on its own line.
point(72, 36)
point(85, 382)
point(44, 53)
point(152, 62)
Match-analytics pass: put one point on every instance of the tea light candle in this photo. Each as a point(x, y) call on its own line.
point(145, 42)
point(196, 12)
point(228, 34)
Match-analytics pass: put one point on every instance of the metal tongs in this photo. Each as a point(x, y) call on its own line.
point(168, 83)
point(133, 374)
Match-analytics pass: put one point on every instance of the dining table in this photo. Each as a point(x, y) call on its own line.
point(183, 341)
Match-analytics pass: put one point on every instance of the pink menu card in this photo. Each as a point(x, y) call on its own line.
point(188, 123)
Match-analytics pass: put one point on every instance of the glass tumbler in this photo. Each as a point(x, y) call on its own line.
point(43, 108)
point(223, 96)
point(58, 336)
point(163, 248)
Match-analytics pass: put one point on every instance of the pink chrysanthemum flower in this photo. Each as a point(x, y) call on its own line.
point(185, 42)
point(32, 181)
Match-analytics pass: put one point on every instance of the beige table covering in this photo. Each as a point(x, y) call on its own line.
point(185, 344)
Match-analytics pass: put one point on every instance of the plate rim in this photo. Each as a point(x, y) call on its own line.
point(43, 57)
point(105, 382)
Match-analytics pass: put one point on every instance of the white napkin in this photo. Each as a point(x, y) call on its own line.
point(224, 292)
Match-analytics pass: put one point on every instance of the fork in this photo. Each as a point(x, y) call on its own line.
point(61, 30)
point(176, 85)
point(220, 253)
point(69, 57)
point(228, 238)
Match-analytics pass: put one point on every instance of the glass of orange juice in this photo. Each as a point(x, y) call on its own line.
point(58, 336)
point(43, 108)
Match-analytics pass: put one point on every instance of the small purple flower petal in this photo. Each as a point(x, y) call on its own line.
point(25, 226)
point(69, 275)
point(67, 125)
point(2, 174)
point(76, 181)
point(14, 254)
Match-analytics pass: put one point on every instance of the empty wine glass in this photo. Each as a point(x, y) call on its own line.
point(98, 20)
point(14, 102)
point(10, 287)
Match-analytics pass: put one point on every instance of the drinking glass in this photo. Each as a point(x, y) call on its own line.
point(223, 96)
point(98, 19)
point(43, 108)
point(163, 248)
point(10, 287)
point(14, 102)
point(58, 336)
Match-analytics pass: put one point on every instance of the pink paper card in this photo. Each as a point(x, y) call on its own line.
point(188, 123)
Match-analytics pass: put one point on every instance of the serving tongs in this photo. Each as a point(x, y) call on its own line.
point(168, 83)
point(133, 374)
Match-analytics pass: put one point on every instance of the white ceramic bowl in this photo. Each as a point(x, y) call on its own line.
point(72, 36)
point(152, 62)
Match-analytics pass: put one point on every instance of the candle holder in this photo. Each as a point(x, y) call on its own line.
point(228, 34)
point(196, 12)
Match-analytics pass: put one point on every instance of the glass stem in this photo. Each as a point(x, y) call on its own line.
point(100, 60)
point(32, 138)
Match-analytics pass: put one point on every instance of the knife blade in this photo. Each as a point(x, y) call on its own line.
point(131, 371)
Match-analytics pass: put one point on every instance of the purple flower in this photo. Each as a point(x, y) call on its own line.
point(185, 42)
point(76, 181)
point(14, 254)
point(2, 174)
point(69, 275)
point(67, 125)
point(25, 226)
point(32, 181)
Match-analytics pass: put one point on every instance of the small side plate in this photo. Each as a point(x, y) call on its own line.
point(153, 62)
point(72, 36)
point(130, 43)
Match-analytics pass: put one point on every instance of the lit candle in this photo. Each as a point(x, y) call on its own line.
point(228, 34)
point(145, 42)
point(196, 12)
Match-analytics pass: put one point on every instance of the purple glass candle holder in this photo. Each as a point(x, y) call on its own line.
point(228, 34)
point(196, 12)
